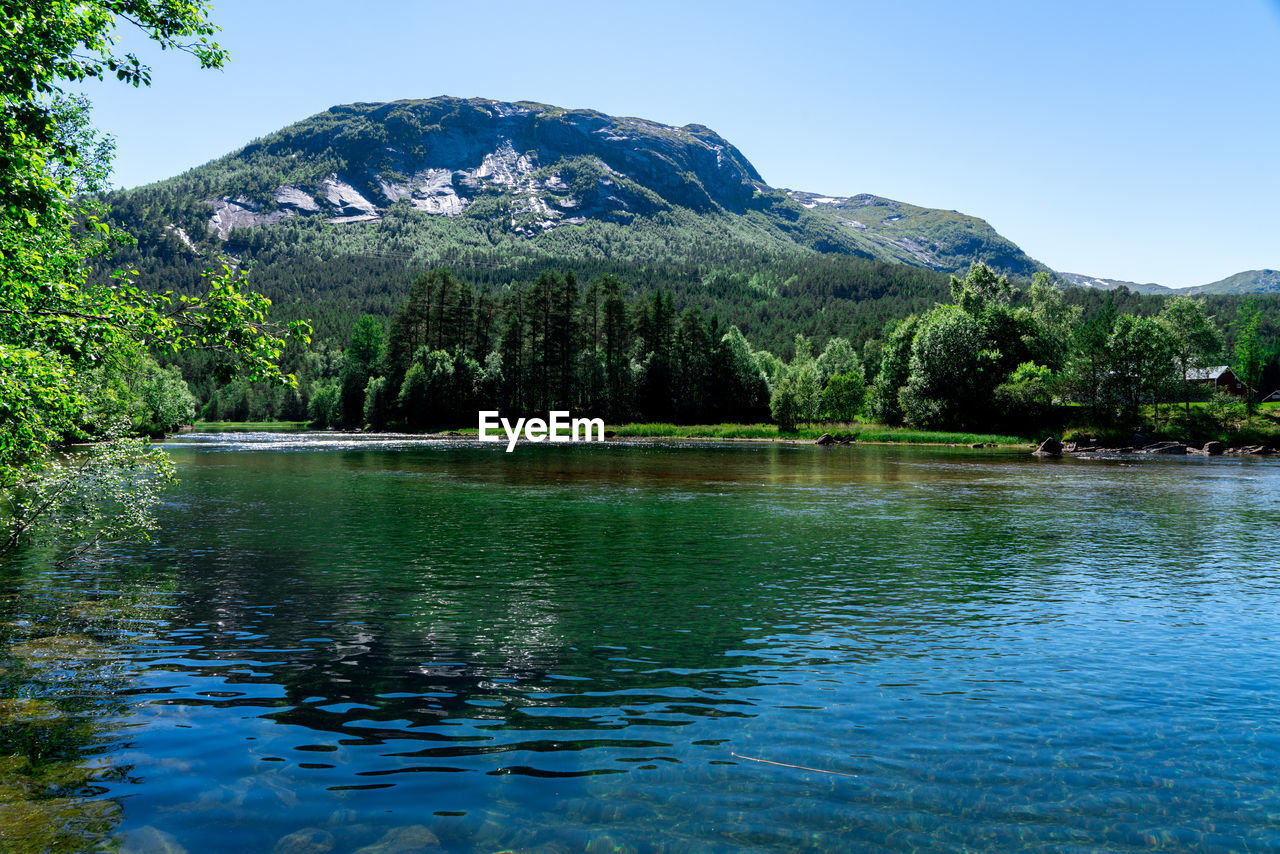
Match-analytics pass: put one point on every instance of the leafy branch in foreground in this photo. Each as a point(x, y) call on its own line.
point(87, 496)
point(67, 344)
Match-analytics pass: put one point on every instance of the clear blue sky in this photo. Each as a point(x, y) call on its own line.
point(1133, 140)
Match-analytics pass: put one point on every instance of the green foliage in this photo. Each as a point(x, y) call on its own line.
point(64, 337)
point(1140, 361)
point(1249, 354)
point(167, 402)
point(1224, 413)
point(376, 405)
point(838, 357)
point(1053, 321)
point(954, 369)
point(363, 356)
point(325, 406)
point(843, 396)
point(895, 371)
point(1088, 362)
point(80, 499)
point(808, 390)
point(980, 290)
point(785, 405)
point(1025, 399)
point(1194, 342)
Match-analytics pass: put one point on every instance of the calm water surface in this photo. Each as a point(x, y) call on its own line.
point(647, 647)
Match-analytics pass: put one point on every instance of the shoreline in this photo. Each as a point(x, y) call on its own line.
point(730, 432)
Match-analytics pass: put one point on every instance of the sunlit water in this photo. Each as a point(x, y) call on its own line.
point(384, 641)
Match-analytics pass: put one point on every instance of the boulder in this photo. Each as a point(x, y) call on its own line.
point(1050, 447)
point(826, 439)
point(1213, 449)
point(1165, 448)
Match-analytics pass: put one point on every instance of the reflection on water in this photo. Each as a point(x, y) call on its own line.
point(408, 644)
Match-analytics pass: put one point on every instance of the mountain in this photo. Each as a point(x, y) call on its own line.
point(1248, 282)
point(1084, 281)
point(447, 179)
point(922, 237)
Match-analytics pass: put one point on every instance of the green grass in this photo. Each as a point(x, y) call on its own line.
point(859, 432)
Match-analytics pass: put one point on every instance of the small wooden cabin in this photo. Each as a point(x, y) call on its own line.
point(1221, 378)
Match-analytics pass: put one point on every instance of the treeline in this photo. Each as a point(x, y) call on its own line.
point(992, 356)
point(989, 358)
point(452, 349)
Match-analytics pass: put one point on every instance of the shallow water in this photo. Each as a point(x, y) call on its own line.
point(633, 646)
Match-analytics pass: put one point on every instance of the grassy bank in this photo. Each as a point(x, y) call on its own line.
point(859, 432)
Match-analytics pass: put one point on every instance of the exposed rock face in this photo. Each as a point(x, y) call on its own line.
point(441, 153)
point(289, 196)
point(239, 213)
point(348, 205)
point(430, 190)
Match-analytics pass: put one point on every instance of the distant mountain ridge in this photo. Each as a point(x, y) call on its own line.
point(1247, 282)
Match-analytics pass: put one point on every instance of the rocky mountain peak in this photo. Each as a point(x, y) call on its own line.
point(552, 166)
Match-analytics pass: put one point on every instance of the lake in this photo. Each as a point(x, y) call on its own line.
point(385, 644)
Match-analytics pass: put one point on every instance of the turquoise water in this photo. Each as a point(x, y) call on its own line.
point(370, 641)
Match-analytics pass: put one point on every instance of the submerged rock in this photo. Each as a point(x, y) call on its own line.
point(151, 840)
point(1165, 448)
point(309, 840)
point(403, 840)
